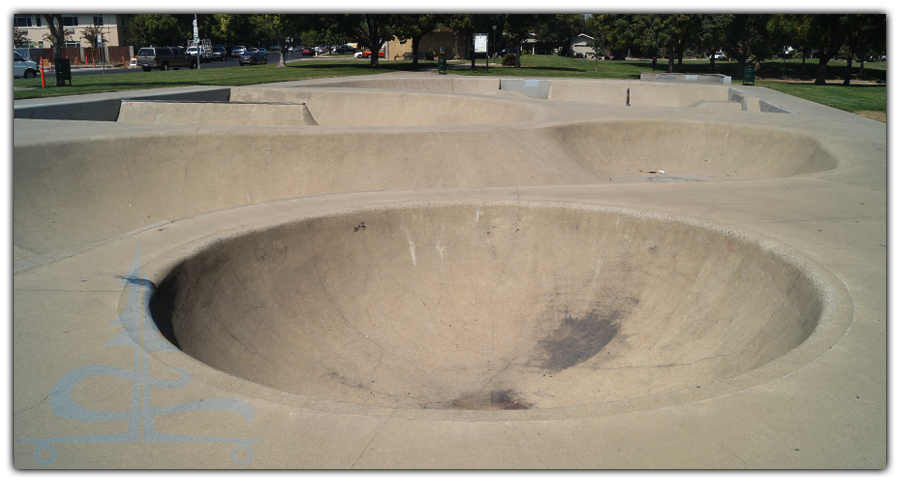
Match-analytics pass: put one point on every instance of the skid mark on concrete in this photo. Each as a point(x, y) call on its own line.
point(576, 340)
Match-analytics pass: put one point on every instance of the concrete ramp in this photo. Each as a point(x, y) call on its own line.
point(218, 113)
point(387, 108)
point(641, 93)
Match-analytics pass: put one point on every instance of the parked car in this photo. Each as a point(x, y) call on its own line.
point(346, 49)
point(306, 51)
point(219, 53)
point(262, 51)
point(719, 55)
point(192, 51)
point(507, 50)
point(238, 50)
point(23, 68)
point(254, 58)
point(163, 58)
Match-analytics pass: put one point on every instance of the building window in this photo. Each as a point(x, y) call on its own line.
point(72, 45)
point(21, 21)
point(98, 20)
point(70, 20)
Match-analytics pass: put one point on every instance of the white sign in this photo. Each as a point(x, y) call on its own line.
point(481, 42)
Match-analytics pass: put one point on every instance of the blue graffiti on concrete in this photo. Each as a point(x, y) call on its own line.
point(140, 332)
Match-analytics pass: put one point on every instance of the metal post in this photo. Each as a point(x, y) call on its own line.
point(495, 44)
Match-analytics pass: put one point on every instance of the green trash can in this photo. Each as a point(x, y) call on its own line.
point(63, 71)
point(749, 75)
point(442, 66)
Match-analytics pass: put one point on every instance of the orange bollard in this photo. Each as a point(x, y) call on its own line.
point(43, 83)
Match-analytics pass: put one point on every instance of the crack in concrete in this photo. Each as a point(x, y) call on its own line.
point(25, 410)
point(363, 452)
point(503, 270)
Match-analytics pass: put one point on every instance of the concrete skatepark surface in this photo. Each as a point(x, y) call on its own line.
point(443, 272)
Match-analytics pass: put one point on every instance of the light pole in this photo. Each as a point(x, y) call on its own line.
point(495, 43)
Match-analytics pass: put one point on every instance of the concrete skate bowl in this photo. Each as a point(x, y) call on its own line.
point(202, 169)
point(482, 306)
point(691, 151)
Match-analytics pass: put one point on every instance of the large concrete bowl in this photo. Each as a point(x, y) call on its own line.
point(487, 306)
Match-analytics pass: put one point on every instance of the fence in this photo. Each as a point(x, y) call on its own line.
point(85, 55)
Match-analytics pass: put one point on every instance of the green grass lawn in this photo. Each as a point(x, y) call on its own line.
point(231, 76)
point(792, 77)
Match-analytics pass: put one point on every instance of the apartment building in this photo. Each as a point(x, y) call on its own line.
point(35, 27)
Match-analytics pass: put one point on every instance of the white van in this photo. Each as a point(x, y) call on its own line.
point(23, 68)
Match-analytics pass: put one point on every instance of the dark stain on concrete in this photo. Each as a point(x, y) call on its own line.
point(577, 340)
point(495, 400)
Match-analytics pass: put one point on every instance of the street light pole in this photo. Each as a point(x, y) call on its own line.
point(495, 44)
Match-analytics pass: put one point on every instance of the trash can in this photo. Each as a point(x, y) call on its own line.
point(442, 66)
point(749, 75)
point(63, 72)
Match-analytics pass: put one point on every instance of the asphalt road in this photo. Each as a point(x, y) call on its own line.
point(231, 61)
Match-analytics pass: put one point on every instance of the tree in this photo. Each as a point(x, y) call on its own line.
point(519, 27)
point(615, 32)
point(782, 33)
point(747, 39)
point(712, 35)
point(155, 29)
point(90, 34)
point(676, 31)
point(561, 29)
point(57, 35)
point(827, 34)
point(282, 26)
point(863, 31)
point(371, 31)
point(20, 38)
point(414, 27)
point(597, 51)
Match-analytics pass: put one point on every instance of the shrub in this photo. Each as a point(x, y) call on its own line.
point(509, 60)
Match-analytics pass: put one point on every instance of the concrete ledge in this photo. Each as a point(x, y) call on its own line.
point(100, 108)
point(536, 89)
point(681, 77)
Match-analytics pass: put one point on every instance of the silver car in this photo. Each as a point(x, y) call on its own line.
point(237, 51)
point(218, 53)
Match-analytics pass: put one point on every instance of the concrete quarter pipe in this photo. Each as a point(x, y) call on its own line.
point(447, 272)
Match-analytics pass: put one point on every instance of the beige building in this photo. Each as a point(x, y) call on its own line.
point(35, 27)
point(454, 45)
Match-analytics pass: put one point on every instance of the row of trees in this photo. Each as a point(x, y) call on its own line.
point(746, 38)
point(370, 31)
